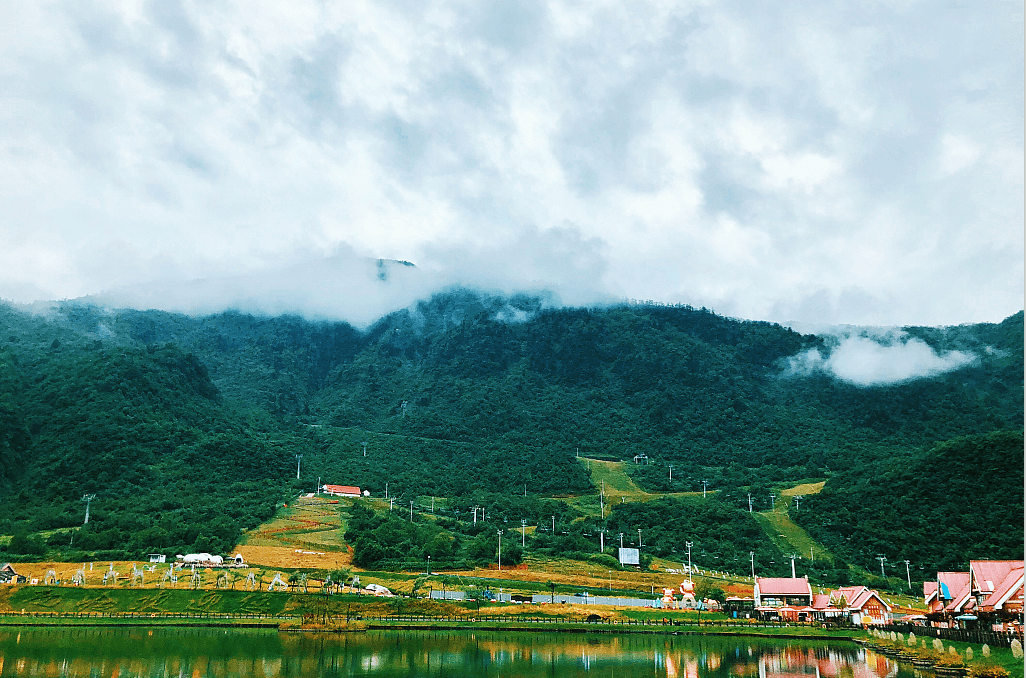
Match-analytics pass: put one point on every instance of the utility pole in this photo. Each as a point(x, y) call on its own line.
point(797, 498)
point(553, 524)
point(671, 473)
point(523, 532)
point(882, 574)
point(908, 576)
point(364, 443)
point(602, 540)
point(749, 502)
point(792, 557)
point(317, 490)
point(475, 514)
point(411, 511)
point(500, 550)
point(432, 505)
point(705, 486)
point(621, 540)
point(391, 500)
point(689, 544)
point(87, 498)
point(752, 554)
point(525, 489)
point(773, 501)
point(299, 459)
point(386, 490)
point(639, 537)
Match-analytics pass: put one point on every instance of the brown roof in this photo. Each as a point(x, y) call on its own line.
point(783, 586)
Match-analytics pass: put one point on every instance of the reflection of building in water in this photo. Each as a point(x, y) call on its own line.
point(805, 662)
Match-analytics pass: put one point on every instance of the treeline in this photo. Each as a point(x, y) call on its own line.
point(145, 433)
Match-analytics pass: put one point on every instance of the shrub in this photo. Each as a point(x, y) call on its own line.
point(987, 671)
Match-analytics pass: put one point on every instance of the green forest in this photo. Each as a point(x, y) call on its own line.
point(187, 429)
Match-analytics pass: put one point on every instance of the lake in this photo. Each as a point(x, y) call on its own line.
point(207, 653)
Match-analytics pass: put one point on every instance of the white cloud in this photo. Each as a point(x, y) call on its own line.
point(830, 162)
point(880, 360)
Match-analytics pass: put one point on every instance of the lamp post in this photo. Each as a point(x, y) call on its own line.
point(523, 532)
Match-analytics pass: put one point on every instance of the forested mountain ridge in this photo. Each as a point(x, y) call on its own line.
point(460, 392)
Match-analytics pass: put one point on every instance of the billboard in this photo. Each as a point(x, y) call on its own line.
point(630, 557)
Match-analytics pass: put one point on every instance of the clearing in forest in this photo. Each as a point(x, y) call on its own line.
point(610, 477)
point(307, 534)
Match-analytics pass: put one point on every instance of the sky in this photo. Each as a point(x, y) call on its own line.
point(819, 163)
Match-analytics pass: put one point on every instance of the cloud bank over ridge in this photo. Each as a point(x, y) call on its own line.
point(878, 359)
point(826, 162)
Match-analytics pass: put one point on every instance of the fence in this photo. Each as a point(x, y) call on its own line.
point(977, 636)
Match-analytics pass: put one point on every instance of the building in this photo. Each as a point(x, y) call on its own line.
point(773, 592)
point(950, 589)
point(9, 576)
point(783, 598)
point(996, 587)
point(341, 490)
point(862, 605)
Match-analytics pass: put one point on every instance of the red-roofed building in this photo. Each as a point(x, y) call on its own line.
point(341, 490)
point(783, 597)
point(997, 589)
point(950, 589)
point(863, 605)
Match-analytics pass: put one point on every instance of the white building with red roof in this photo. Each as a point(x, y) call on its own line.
point(341, 490)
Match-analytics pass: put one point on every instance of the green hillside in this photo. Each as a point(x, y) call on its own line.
point(187, 429)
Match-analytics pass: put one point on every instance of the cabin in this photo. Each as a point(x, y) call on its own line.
point(9, 576)
point(341, 490)
point(862, 605)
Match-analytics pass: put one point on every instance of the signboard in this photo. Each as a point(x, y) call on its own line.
point(630, 557)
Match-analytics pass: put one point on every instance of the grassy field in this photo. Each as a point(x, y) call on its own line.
point(611, 478)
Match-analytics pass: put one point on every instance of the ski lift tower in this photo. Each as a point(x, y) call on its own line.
point(87, 498)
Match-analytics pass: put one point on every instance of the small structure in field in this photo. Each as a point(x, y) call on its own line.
point(9, 576)
point(341, 491)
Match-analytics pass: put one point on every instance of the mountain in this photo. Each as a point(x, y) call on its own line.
point(458, 392)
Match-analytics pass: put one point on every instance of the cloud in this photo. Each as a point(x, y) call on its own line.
point(822, 162)
point(879, 360)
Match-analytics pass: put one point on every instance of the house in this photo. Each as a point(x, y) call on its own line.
point(863, 605)
point(996, 586)
point(341, 490)
point(9, 576)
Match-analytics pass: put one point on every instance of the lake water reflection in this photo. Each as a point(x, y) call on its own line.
point(196, 653)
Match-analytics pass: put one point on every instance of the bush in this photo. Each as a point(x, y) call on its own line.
point(987, 671)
